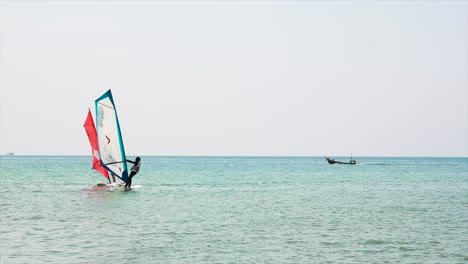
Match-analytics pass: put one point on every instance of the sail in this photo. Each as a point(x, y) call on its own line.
point(109, 137)
point(92, 136)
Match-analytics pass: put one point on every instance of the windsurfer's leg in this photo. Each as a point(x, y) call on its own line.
point(130, 180)
point(129, 183)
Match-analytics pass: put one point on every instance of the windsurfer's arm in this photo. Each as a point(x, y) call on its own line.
point(131, 161)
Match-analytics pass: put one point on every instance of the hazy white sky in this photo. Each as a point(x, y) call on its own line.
point(372, 78)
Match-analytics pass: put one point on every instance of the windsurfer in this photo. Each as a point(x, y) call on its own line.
point(135, 169)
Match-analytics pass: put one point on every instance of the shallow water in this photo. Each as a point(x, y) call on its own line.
point(236, 210)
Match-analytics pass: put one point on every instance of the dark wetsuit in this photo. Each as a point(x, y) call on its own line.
point(135, 169)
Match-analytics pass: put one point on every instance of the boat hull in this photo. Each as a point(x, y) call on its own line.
point(332, 161)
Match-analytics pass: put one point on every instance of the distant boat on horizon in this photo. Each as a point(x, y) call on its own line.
point(10, 154)
point(332, 161)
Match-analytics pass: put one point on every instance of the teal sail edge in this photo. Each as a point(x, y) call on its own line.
point(124, 159)
point(124, 175)
point(107, 94)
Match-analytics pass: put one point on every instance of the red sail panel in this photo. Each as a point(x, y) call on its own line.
point(92, 136)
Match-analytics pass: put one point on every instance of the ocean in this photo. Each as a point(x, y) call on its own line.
point(236, 210)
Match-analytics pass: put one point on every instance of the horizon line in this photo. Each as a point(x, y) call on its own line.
point(240, 156)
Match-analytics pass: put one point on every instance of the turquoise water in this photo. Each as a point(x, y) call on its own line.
point(236, 210)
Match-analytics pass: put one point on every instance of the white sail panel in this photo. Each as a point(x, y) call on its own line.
point(109, 137)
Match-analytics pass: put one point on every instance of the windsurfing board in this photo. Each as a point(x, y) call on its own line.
point(111, 187)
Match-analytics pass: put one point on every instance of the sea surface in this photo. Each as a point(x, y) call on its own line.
point(236, 210)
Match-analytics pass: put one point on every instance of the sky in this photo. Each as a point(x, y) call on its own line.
point(268, 78)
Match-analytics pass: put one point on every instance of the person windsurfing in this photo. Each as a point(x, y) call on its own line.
point(135, 169)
